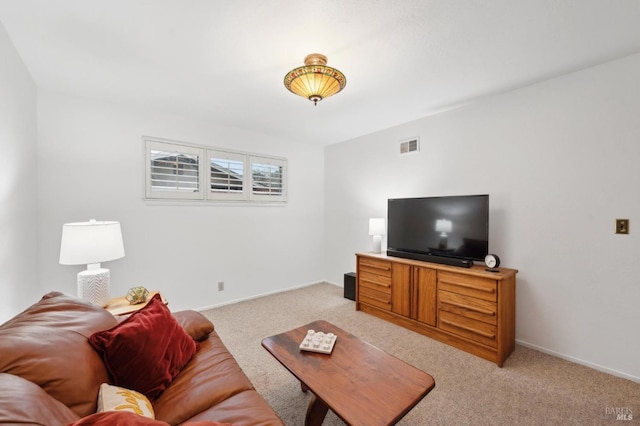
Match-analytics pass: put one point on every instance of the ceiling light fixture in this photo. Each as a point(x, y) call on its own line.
point(315, 81)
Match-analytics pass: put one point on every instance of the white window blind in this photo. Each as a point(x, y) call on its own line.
point(173, 171)
point(226, 175)
point(267, 178)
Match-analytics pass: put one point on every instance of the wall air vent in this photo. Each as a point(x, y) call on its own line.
point(409, 146)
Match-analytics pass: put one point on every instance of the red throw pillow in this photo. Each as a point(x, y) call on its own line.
point(146, 351)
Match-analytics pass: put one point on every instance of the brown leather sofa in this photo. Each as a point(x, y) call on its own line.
point(50, 374)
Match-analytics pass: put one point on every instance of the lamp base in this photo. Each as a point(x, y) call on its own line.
point(93, 285)
point(377, 243)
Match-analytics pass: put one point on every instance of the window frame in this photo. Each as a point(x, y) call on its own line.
point(171, 148)
point(205, 154)
point(231, 156)
point(268, 161)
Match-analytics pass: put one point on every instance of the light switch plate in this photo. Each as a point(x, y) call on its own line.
point(622, 226)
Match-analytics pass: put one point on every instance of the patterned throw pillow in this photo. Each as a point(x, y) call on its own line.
point(114, 398)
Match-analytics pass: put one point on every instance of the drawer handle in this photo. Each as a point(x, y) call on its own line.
point(376, 283)
point(473, 330)
point(374, 266)
point(486, 290)
point(470, 308)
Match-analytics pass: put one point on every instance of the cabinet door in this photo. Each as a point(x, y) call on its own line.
point(401, 289)
point(425, 295)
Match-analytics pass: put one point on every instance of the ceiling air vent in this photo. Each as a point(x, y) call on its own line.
point(409, 146)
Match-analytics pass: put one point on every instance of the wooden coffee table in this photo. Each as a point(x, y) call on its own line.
point(359, 382)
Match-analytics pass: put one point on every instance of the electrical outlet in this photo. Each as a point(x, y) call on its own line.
point(220, 285)
point(622, 226)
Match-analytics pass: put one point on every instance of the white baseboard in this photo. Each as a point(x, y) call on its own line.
point(580, 361)
point(231, 302)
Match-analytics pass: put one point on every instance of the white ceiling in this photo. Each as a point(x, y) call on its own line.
point(224, 61)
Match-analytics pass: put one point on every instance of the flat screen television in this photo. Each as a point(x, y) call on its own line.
point(452, 228)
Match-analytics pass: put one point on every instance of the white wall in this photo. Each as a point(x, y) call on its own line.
point(18, 190)
point(91, 166)
point(560, 160)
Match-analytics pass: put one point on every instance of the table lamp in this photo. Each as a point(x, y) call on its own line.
point(91, 243)
point(377, 229)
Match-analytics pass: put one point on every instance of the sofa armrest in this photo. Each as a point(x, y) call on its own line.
point(194, 323)
point(47, 344)
point(22, 401)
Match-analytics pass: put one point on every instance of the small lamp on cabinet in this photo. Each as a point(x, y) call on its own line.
point(91, 243)
point(377, 230)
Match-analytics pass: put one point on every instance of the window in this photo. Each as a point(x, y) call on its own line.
point(188, 172)
point(173, 171)
point(267, 178)
point(226, 176)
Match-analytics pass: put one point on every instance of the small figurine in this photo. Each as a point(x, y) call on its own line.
point(137, 295)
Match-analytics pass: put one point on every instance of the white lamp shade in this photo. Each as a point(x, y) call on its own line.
point(90, 242)
point(376, 226)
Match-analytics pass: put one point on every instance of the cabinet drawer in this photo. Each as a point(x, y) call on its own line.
point(469, 307)
point(481, 288)
point(375, 266)
point(375, 298)
point(367, 278)
point(467, 327)
point(375, 283)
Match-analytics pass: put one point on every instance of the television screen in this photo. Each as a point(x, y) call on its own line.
point(454, 226)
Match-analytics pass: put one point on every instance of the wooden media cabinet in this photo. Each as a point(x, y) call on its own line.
point(468, 308)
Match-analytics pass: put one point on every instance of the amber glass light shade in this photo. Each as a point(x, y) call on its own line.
point(315, 81)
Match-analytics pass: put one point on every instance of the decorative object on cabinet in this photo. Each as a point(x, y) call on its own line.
point(492, 261)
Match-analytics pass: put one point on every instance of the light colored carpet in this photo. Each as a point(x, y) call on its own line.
point(531, 389)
